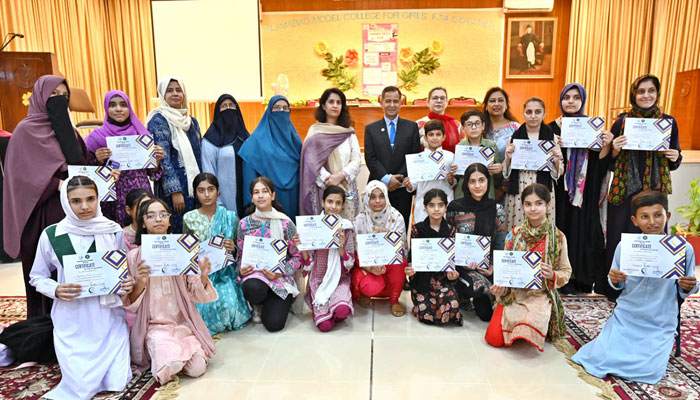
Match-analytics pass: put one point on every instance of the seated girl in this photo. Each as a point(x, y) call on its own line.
point(434, 295)
point(533, 314)
point(134, 200)
point(90, 334)
point(231, 310)
point(168, 335)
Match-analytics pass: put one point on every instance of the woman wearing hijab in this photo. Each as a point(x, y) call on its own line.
point(437, 102)
point(274, 151)
point(220, 148)
point(636, 170)
point(330, 156)
point(578, 197)
point(31, 186)
point(120, 120)
point(178, 134)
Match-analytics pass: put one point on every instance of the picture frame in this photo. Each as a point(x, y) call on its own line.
point(531, 48)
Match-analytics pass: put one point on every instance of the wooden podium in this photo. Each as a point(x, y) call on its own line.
point(18, 72)
point(686, 103)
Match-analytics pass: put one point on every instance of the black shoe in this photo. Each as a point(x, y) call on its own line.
point(568, 290)
point(406, 285)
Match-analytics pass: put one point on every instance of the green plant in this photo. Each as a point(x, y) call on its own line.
point(423, 63)
point(337, 73)
point(691, 212)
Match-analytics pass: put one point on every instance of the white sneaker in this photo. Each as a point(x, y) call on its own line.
point(257, 311)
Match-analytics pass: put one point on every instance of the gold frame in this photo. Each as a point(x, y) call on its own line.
point(509, 21)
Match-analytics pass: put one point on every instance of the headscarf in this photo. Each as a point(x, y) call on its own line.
point(228, 126)
point(367, 221)
point(451, 130)
point(274, 148)
point(179, 122)
point(628, 179)
point(543, 177)
point(484, 210)
point(133, 126)
point(33, 136)
point(577, 164)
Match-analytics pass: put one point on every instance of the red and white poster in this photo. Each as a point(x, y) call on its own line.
point(379, 57)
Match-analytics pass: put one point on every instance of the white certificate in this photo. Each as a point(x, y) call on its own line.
point(652, 256)
point(132, 152)
point(517, 269)
point(106, 186)
point(433, 255)
point(582, 132)
point(97, 273)
point(472, 249)
point(533, 155)
point(376, 249)
point(426, 166)
point(170, 255)
point(218, 256)
point(318, 231)
point(647, 134)
point(466, 155)
point(264, 253)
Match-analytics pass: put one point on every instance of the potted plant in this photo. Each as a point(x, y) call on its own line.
point(690, 230)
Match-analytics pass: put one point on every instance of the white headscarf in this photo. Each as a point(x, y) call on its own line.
point(179, 122)
point(368, 221)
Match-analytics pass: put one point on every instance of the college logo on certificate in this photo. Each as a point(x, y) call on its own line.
point(433, 255)
point(132, 152)
point(582, 132)
point(171, 254)
point(426, 166)
point(517, 269)
point(319, 231)
point(98, 274)
point(533, 155)
point(653, 256)
point(375, 249)
point(101, 175)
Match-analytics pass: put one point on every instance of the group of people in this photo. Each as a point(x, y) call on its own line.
point(232, 183)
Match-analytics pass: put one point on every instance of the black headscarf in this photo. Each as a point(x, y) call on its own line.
point(543, 177)
point(57, 110)
point(421, 280)
point(484, 210)
point(227, 127)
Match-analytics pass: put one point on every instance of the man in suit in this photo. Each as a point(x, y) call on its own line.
point(387, 142)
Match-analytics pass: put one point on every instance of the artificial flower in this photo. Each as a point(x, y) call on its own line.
point(321, 48)
point(351, 57)
point(406, 55)
point(436, 47)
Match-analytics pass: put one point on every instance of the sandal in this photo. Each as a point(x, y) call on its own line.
point(397, 310)
point(364, 301)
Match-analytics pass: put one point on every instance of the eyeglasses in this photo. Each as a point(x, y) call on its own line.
point(231, 106)
point(280, 108)
point(152, 216)
point(470, 125)
point(438, 98)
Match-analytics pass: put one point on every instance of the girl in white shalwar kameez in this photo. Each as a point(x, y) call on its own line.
point(90, 334)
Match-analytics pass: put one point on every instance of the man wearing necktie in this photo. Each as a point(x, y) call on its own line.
point(387, 141)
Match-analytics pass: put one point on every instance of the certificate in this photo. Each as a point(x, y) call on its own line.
point(652, 256)
point(433, 255)
point(97, 273)
point(132, 152)
point(319, 231)
point(466, 155)
point(582, 132)
point(533, 155)
point(106, 186)
point(264, 253)
point(517, 269)
point(651, 134)
point(426, 166)
point(170, 255)
point(218, 256)
point(472, 249)
point(384, 248)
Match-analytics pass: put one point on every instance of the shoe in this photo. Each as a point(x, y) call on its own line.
point(257, 312)
point(364, 301)
point(406, 285)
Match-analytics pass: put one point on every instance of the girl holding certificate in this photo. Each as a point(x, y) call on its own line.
point(91, 336)
point(230, 311)
point(477, 214)
point(532, 129)
point(378, 215)
point(169, 335)
point(533, 314)
point(270, 293)
point(434, 295)
point(634, 170)
point(120, 120)
point(473, 127)
point(328, 293)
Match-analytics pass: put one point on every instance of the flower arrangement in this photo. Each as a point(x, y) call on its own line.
point(422, 63)
point(336, 70)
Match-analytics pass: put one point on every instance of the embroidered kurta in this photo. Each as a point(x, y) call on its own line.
point(351, 158)
point(421, 188)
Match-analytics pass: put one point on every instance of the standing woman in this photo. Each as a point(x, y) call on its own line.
point(178, 134)
point(635, 171)
point(500, 126)
point(41, 147)
point(532, 129)
point(273, 151)
point(220, 148)
point(437, 102)
point(120, 120)
point(330, 156)
point(578, 197)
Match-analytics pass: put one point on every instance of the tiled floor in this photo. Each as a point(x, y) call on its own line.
point(371, 356)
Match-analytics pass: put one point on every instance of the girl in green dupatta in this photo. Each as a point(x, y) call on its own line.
point(230, 311)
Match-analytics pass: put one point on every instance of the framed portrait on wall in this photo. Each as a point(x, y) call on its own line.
point(531, 48)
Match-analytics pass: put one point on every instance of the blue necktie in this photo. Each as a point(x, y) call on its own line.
point(392, 133)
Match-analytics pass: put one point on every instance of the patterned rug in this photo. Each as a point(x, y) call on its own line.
point(32, 382)
point(585, 317)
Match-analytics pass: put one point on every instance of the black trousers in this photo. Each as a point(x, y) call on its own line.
point(275, 310)
point(400, 199)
